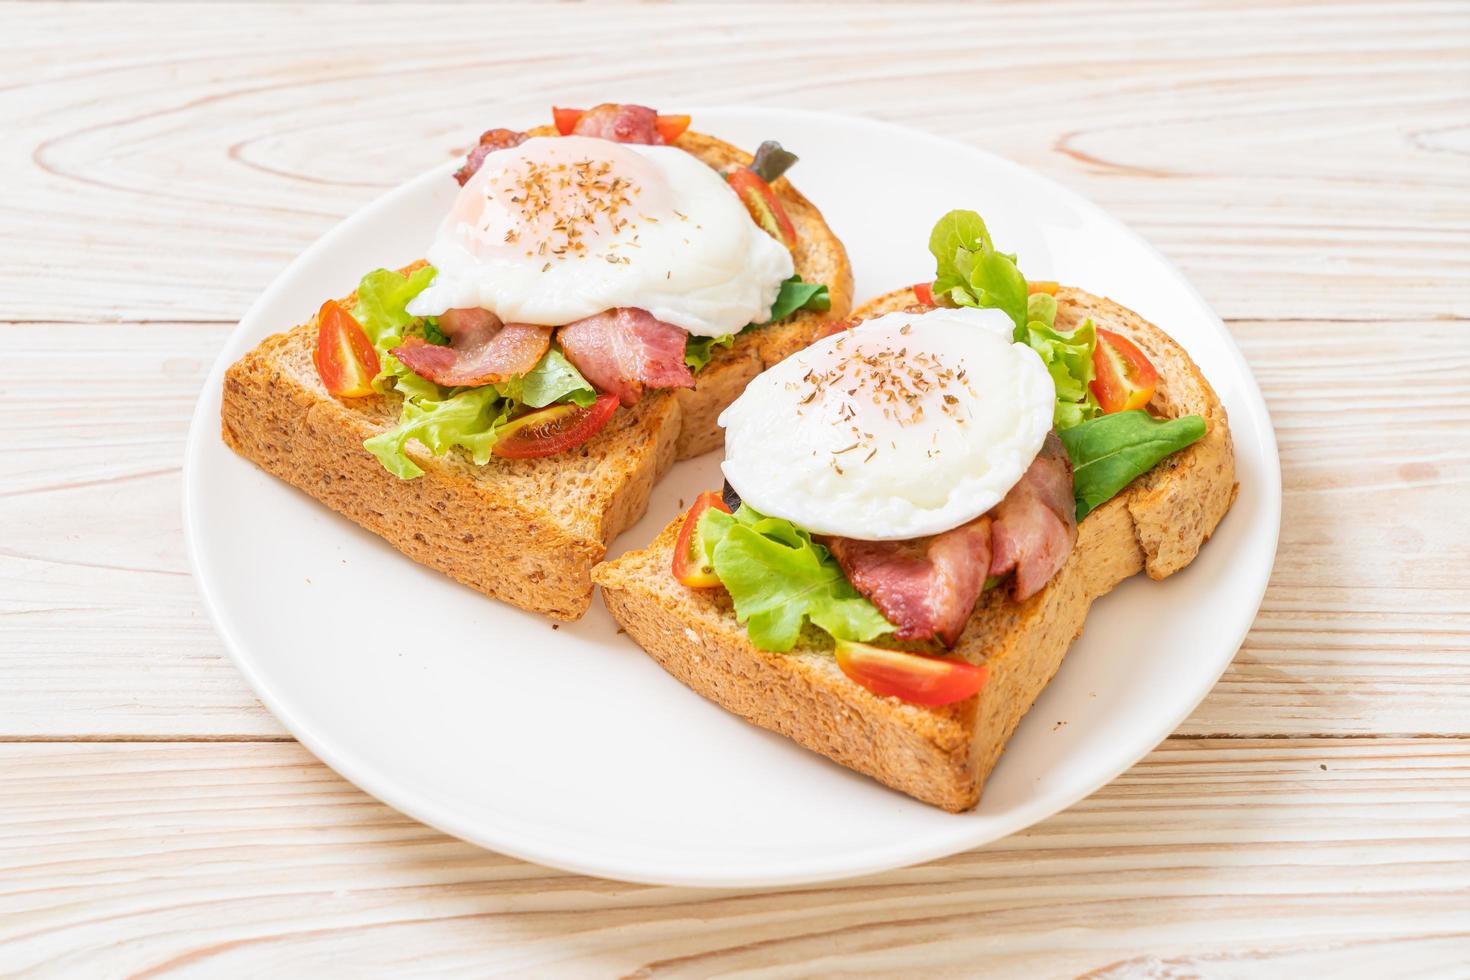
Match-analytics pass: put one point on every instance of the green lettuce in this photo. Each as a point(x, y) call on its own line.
point(447, 418)
point(552, 380)
point(779, 578)
point(797, 295)
point(463, 417)
point(1111, 451)
point(382, 296)
point(970, 272)
point(698, 350)
point(1068, 359)
point(794, 295)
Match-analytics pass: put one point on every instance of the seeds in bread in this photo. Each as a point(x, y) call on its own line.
point(527, 532)
point(943, 755)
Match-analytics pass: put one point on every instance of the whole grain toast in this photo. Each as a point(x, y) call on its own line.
point(525, 531)
point(943, 755)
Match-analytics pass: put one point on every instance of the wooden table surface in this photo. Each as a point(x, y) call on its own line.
point(1308, 167)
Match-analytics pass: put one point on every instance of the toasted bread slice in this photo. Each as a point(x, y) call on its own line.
point(943, 755)
point(524, 531)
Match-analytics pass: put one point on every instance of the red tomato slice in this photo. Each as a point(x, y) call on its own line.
point(913, 677)
point(345, 359)
point(924, 293)
point(1042, 286)
point(1124, 379)
point(566, 119)
point(763, 205)
point(671, 128)
point(554, 429)
point(691, 566)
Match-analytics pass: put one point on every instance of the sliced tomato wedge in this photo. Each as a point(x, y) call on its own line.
point(345, 359)
point(1042, 286)
point(554, 429)
point(671, 128)
point(924, 293)
point(1123, 377)
point(566, 119)
point(764, 206)
point(691, 564)
point(912, 677)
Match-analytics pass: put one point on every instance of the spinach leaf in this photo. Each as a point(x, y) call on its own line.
point(1110, 451)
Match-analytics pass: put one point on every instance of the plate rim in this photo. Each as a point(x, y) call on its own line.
point(204, 425)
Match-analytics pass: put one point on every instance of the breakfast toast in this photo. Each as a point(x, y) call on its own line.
point(526, 531)
point(942, 755)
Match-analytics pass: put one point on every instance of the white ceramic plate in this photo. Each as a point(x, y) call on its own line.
point(570, 747)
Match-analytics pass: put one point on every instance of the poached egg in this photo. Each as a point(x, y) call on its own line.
point(907, 425)
point(560, 228)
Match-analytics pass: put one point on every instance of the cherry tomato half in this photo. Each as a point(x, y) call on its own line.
point(924, 293)
point(1123, 378)
point(671, 128)
point(554, 429)
point(912, 677)
point(763, 206)
point(691, 564)
point(566, 119)
point(344, 357)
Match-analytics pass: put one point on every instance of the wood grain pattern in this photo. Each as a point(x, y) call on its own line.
point(1304, 163)
point(1343, 177)
point(1222, 859)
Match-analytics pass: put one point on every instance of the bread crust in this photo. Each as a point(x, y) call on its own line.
point(527, 532)
point(943, 755)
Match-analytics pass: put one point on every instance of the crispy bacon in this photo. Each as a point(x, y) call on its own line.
point(926, 587)
point(490, 141)
point(620, 123)
point(622, 350)
point(481, 350)
point(1036, 523)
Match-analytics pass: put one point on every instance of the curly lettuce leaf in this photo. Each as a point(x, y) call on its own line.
point(382, 298)
point(463, 417)
point(1068, 359)
point(1111, 451)
point(699, 350)
point(779, 578)
point(970, 272)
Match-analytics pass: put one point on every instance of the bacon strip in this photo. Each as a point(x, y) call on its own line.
point(927, 587)
point(620, 351)
point(490, 141)
point(620, 123)
point(481, 350)
point(1036, 523)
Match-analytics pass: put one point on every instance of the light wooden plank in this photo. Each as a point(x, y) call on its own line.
point(1228, 859)
point(1366, 627)
point(1299, 162)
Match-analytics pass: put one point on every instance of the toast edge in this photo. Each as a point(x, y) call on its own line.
point(492, 543)
point(943, 756)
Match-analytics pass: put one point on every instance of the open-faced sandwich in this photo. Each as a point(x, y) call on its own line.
point(920, 508)
point(599, 292)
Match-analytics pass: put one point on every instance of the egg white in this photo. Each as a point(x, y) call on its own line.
point(818, 440)
point(686, 250)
